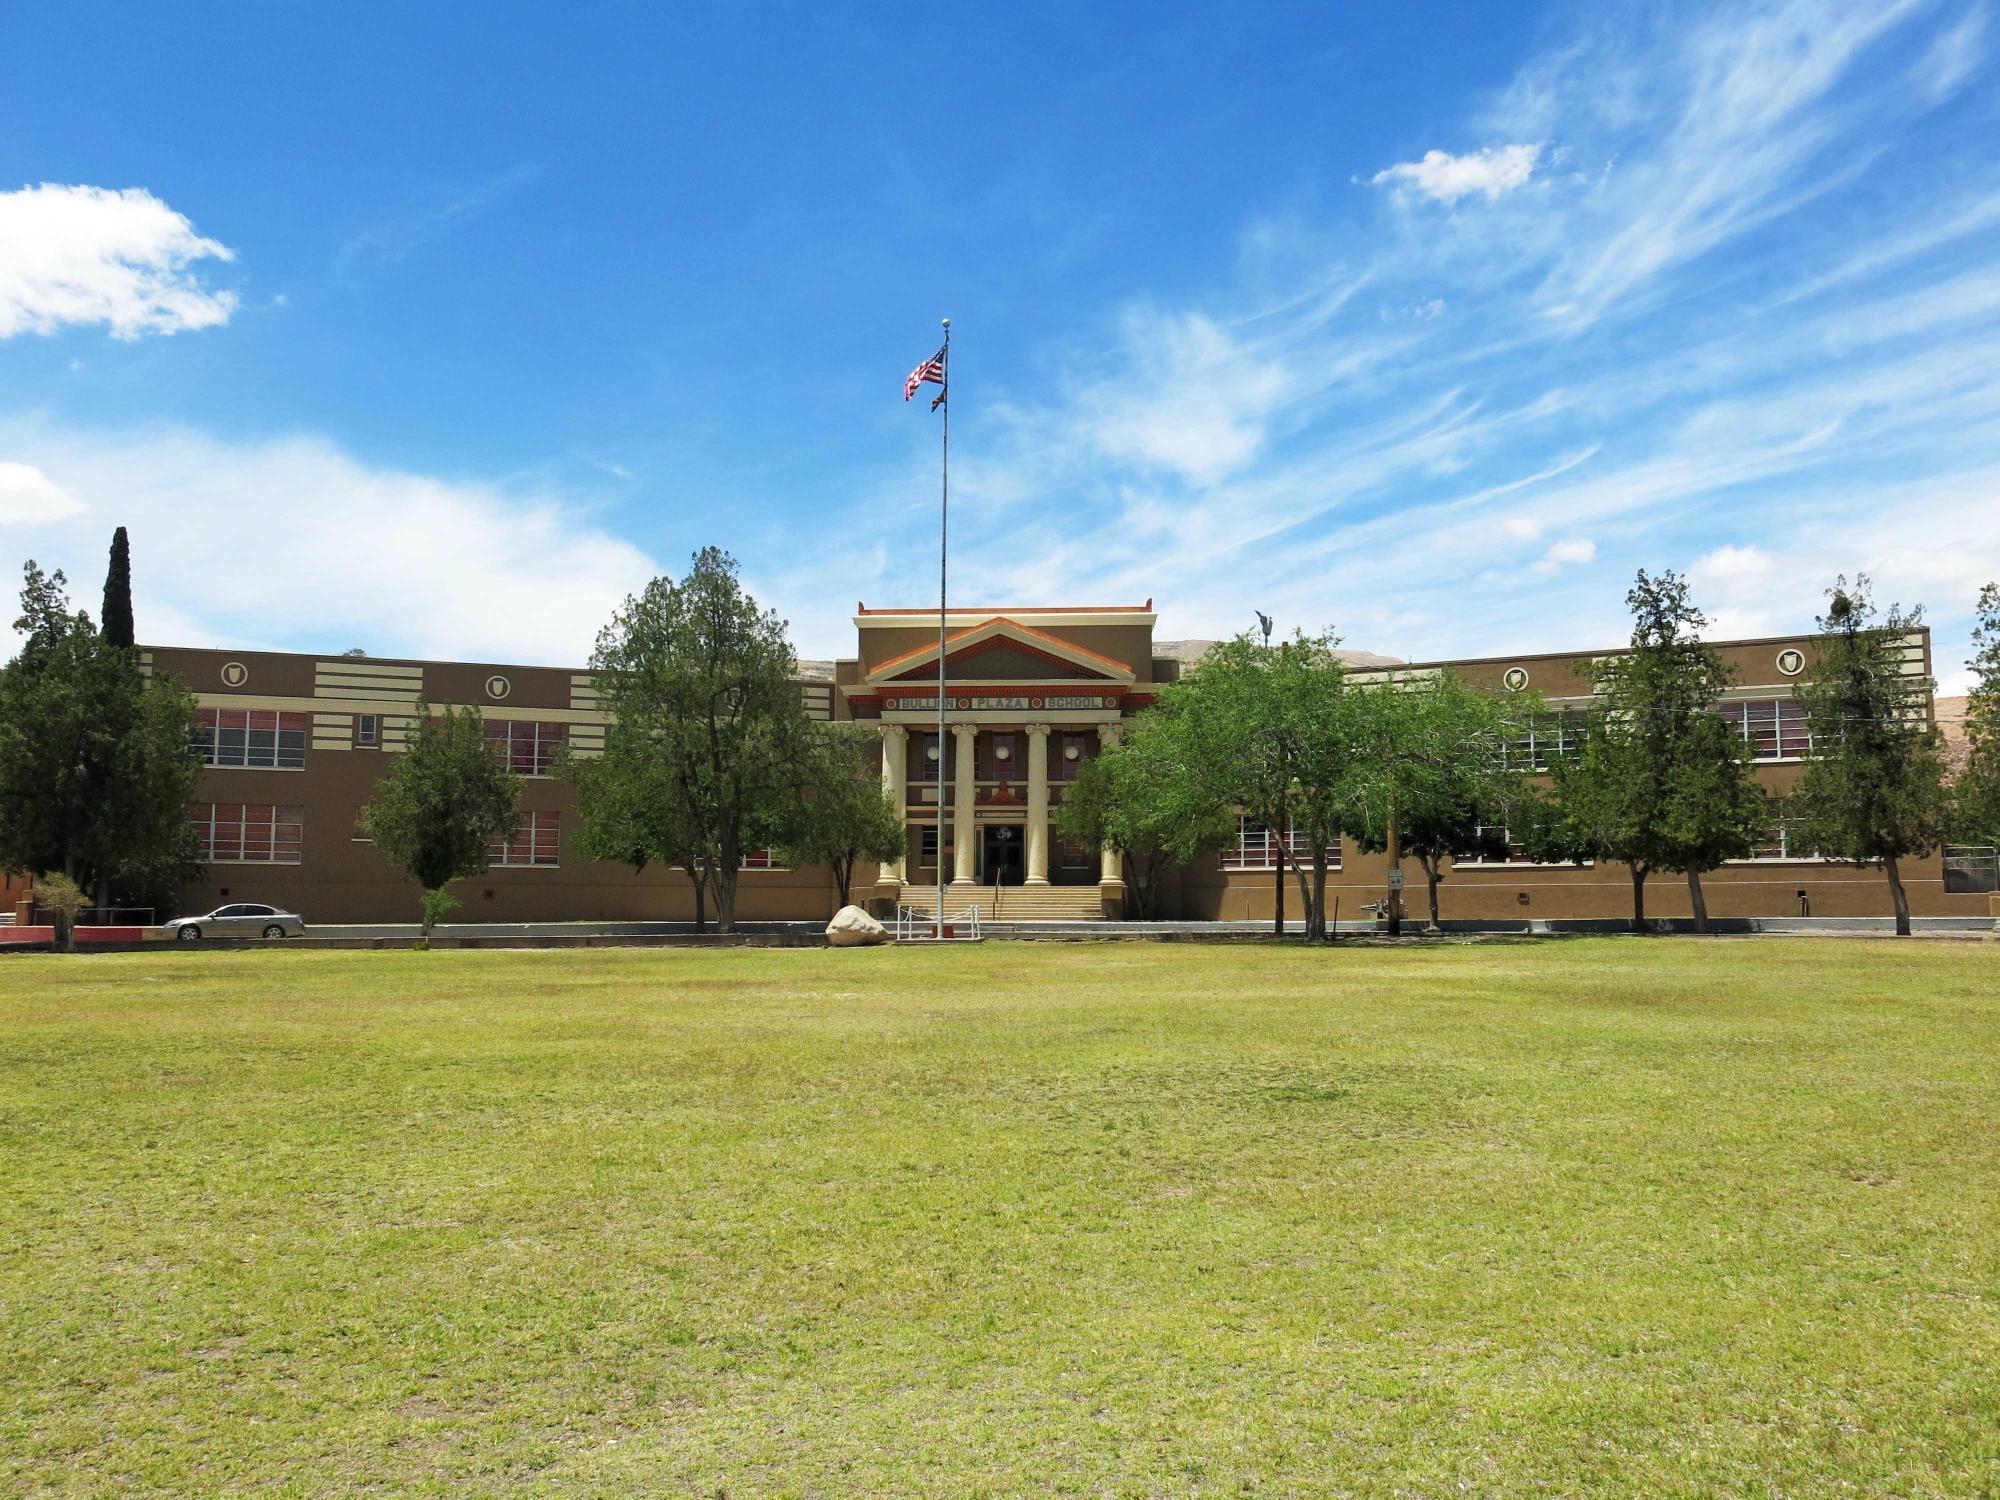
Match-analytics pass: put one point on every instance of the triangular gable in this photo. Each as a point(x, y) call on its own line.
point(1003, 640)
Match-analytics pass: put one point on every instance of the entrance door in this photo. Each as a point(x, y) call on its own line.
point(1005, 860)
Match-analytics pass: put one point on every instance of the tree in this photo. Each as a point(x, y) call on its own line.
point(1976, 795)
point(442, 805)
point(693, 672)
point(1661, 783)
point(1130, 797)
point(1433, 757)
point(1263, 731)
point(115, 621)
point(840, 814)
point(96, 760)
point(627, 810)
point(64, 900)
point(1874, 784)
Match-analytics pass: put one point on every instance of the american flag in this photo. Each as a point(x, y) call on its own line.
point(931, 370)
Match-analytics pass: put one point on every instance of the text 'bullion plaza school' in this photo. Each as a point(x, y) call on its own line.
point(293, 744)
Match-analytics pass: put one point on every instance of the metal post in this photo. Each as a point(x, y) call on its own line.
point(944, 534)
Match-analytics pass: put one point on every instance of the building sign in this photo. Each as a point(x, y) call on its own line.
point(993, 702)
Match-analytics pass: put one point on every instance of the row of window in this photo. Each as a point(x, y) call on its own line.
point(1774, 728)
point(265, 739)
point(1001, 755)
point(1258, 847)
point(1786, 842)
point(266, 833)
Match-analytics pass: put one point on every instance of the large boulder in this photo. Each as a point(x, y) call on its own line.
point(852, 927)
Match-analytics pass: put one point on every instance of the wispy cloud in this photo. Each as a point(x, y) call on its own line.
point(83, 255)
point(1739, 299)
point(1444, 178)
point(402, 235)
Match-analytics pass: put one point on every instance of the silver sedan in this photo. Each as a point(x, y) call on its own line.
point(243, 919)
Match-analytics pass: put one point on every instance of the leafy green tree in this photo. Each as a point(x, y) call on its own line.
point(1976, 795)
point(1130, 797)
point(64, 900)
point(96, 760)
point(1264, 731)
point(1874, 785)
point(696, 671)
point(115, 621)
point(442, 804)
point(840, 814)
point(1432, 756)
point(627, 810)
point(1661, 783)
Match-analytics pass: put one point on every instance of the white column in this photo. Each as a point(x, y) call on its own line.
point(1110, 863)
point(895, 786)
point(1038, 804)
point(964, 864)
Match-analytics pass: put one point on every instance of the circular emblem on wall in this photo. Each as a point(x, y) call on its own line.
point(498, 686)
point(1109, 701)
point(1791, 661)
point(1034, 703)
point(234, 674)
point(965, 703)
point(1516, 678)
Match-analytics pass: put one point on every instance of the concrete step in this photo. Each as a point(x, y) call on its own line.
point(1017, 903)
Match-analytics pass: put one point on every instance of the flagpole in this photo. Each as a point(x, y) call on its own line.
point(944, 534)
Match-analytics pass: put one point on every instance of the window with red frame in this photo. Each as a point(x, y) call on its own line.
point(1257, 847)
point(257, 738)
point(526, 747)
point(762, 859)
point(248, 833)
point(536, 842)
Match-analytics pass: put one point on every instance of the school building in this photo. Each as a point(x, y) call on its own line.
point(293, 744)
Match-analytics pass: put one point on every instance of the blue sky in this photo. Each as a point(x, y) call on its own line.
point(435, 330)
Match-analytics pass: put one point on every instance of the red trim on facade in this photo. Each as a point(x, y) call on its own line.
point(1000, 624)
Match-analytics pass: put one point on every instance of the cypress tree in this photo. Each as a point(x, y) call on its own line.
point(115, 621)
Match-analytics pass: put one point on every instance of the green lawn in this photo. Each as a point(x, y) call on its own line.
point(1616, 1216)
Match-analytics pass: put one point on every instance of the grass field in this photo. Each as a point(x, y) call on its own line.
point(1616, 1216)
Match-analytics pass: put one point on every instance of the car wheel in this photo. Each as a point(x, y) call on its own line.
point(189, 934)
point(274, 930)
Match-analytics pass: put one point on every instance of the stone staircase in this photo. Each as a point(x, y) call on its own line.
point(1014, 903)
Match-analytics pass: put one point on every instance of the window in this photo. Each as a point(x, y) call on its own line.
point(1775, 727)
point(367, 729)
point(248, 833)
point(927, 848)
point(762, 859)
point(1074, 854)
point(1257, 848)
point(1517, 853)
point(1785, 840)
point(1541, 741)
point(259, 738)
point(535, 842)
point(1070, 757)
point(525, 746)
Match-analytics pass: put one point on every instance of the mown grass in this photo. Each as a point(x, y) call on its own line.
point(1614, 1216)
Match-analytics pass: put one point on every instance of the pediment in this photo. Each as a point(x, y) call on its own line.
point(1003, 650)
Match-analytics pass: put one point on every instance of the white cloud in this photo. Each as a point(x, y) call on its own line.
point(292, 542)
point(1445, 178)
point(1564, 554)
point(72, 255)
point(27, 496)
point(1197, 400)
